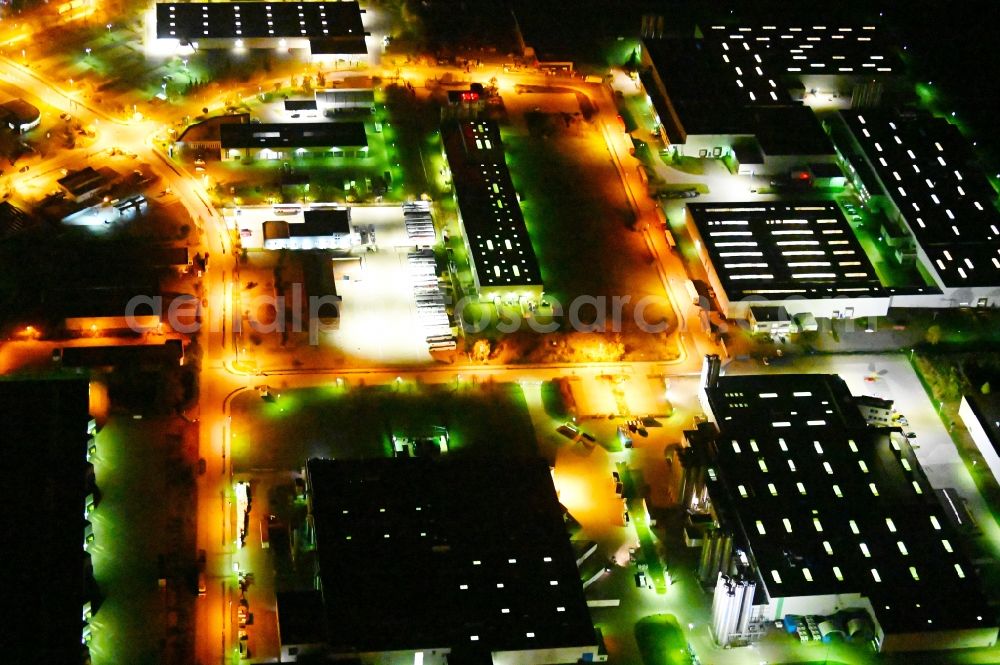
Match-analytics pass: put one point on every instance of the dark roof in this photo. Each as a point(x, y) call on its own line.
point(294, 135)
point(160, 256)
point(105, 301)
point(21, 110)
point(300, 104)
point(873, 401)
point(758, 248)
point(700, 89)
point(824, 504)
point(82, 181)
point(826, 170)
point(13, 219)
point(323, 222)
point(491, 214)
point(347, 97)
point(301, 617)
point(124, 355)
point(344, 45)
point(424, 553)
point(928, 170)
point(249, 20)
point(44, 450)
point(789, 130)
point(761, 53)
point(769, 313)
point(208, 130)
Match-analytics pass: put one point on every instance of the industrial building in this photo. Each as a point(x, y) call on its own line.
point(48, 493)
point(321, 228)
point(921, 174)
point(326, 30)
point(503, 261)
point(981, 415)
point(344, 100)
point(110, 310)
point(740, 91)
point(823, 522)
point(801, 256)
point(292, 140)
point(434, 561)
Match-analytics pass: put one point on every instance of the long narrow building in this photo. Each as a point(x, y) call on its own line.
point(503, 261)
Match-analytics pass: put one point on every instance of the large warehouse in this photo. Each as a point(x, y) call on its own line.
point(326, 30)
point(437, 561)
point(921, 173)
point(825, 522)
point(802, 256)
point(49, 575)
point(738, 90)
point(503, 261)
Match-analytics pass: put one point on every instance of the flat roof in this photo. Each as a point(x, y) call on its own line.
point(129, 355)
point(761, 54)
point(161, 256)
point(772, 250)
point(294, 135)
point(191, 21)
point(300, 104)
point(365, 96)
point(105, 301)
point(825, 504)
point(701, 90)
point(323, 221)
point(928, 170)
point(770, 313)
point(301, 617)
point(491, 214)
point(789, 130)
point(456, 552)
point(44, 447)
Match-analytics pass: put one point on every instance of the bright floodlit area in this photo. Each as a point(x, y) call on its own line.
point(379, 320)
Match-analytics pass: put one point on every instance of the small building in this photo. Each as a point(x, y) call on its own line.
point(981, 415)
point(19, 116)
point(207, 135)
point(343, 100)
point(304, 108)
point(293, 140)
point(770, 319)
point(876, 411)
point(326, 228)
point(85, 184)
